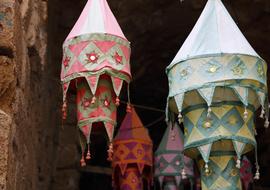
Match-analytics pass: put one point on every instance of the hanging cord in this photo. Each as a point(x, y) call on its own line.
point(128, 91)
point(148, 125)
point(144, 107)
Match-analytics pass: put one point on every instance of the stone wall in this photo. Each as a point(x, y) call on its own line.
point(26, 132)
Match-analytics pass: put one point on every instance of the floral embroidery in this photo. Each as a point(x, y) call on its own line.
point(92, 57)
point(212, 67)
point(260, 71)
point(118, 58)
point(239, 69)
point(86, 103)
point(66, 61)
point(185, 72)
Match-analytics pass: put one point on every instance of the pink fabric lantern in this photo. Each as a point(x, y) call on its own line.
point(95, 63)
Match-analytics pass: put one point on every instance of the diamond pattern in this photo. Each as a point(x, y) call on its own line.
point(78, 49)
point(215, 123)
point(227, 122)
point(232, 120)
point(225, 178)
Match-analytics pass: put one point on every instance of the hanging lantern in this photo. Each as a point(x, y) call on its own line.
point(217, 82)
point(95, 64)
point(171, 166)
point(132, 158)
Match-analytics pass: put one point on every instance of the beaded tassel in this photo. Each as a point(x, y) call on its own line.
point(64, 110)
point(206, 168)
point(110, 152)
point(173, 135)
point(184, 175)
point(245, 113)
point(209, 113)
point(266, 123)
point(83, 164)
point(88, 155)
point(180, 118)
point(257, 174)
point(128, 110)
point(238, 163)
point(262, 113)
point(117, 101)
point(93, 100)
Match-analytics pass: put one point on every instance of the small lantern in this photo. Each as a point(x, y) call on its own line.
point(132, 159)
point(171, 166)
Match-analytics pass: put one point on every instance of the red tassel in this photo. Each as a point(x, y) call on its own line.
point(83, 164)
point(110, 152)
point(88, 155)
point(93, 100)
point(64, 111)
point(117, 101)
point(128, 108)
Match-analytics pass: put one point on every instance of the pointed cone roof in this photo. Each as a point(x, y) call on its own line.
point(132, 128)
point(172, 140)
point(214, 33)
point(96, 17)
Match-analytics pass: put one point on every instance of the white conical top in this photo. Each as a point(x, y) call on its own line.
point(215, 32)
point(96, 17)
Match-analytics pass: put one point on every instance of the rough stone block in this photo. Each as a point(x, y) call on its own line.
point(5, 125)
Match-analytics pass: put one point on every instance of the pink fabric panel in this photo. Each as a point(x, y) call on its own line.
point(111, 24)
point(76, 67)
point(76, 49)
point(104, 64)
point(104, 46)
point(80, 22)
point(126, 52)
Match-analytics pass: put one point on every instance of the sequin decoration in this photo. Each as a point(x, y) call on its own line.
point(92, 57)
point(260, 70)
point(185, 72)
point(118, 58)
point(239, 69)
point(66, 61)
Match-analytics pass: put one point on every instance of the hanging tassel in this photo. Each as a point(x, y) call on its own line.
point(117, 101)
point(238, 164)
point(173, 136)
point(245, 113)
point(128, 109)
point(209, 113)
point(93, 100)
point(184, 175)
point(180, 118)
point(262, 113)
point(110, 152)
point(88, 155)
point(83, 164)
point(64, 111)
point(206, 169)
point(257, 174)
point(266, 123)
point(255, 131)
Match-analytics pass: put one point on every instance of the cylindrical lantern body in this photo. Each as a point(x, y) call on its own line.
point(170, 161)
point(131, 180)
point(216, 83)
point(103, 109)
point(222, 173)
point(132, 147)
